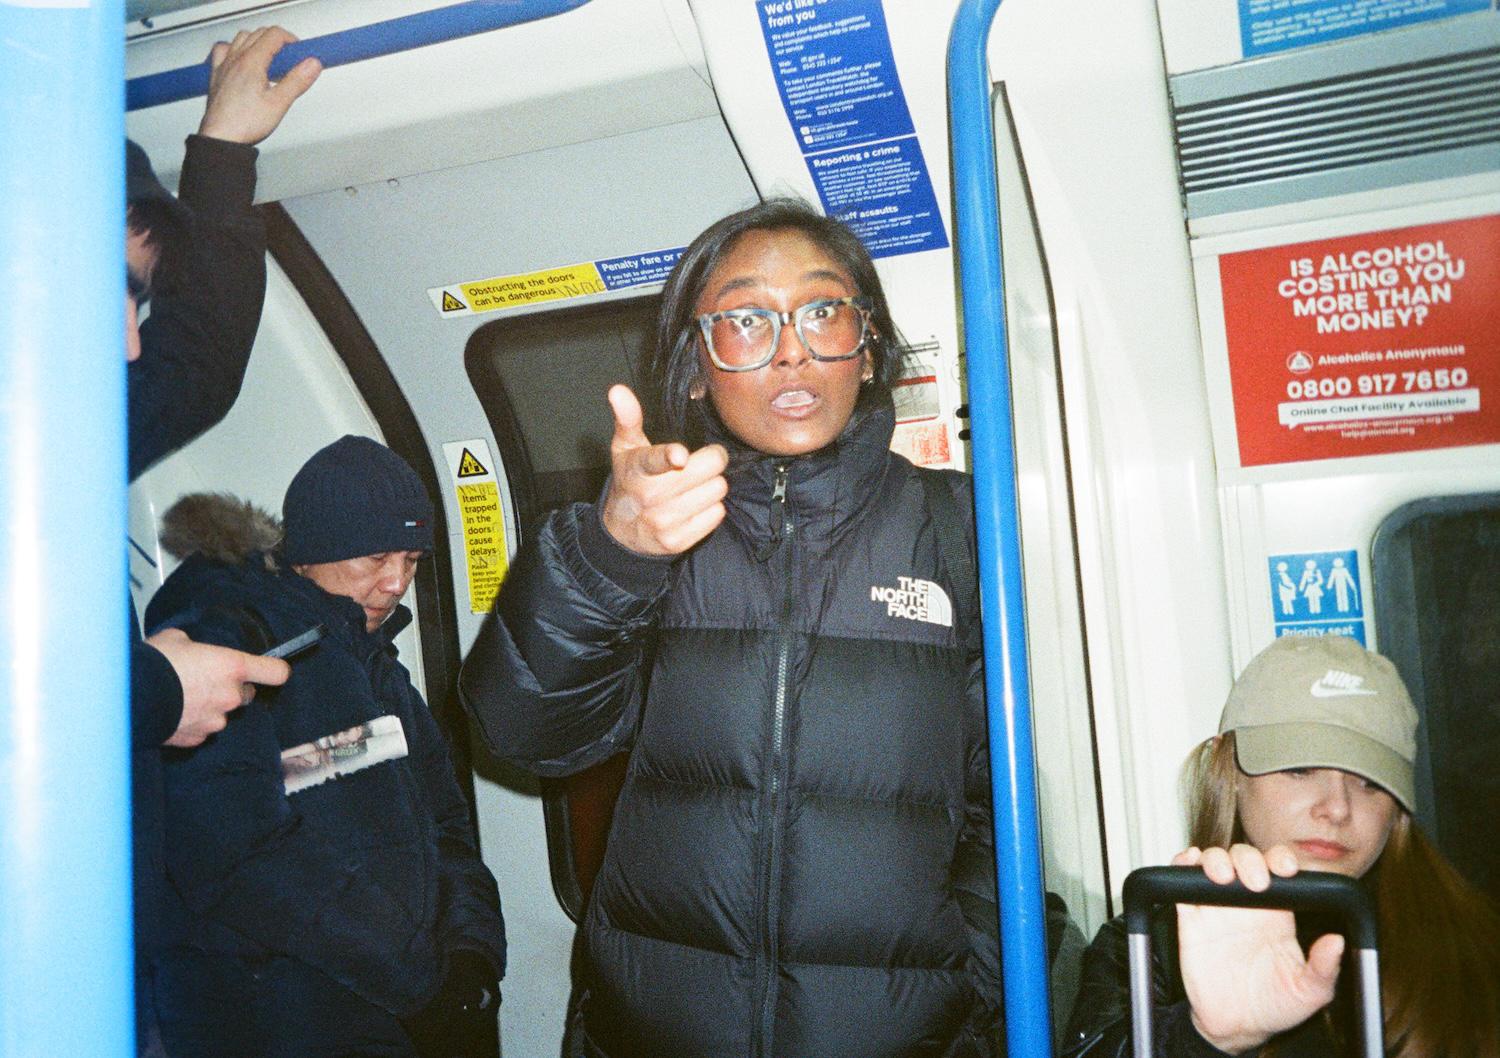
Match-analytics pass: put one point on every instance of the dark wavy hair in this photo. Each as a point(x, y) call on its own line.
point(675, 364)
point(166, 231)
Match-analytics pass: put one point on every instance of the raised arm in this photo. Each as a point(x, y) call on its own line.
point(204, 312)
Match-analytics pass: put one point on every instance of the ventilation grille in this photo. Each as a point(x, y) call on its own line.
point(1374, 116)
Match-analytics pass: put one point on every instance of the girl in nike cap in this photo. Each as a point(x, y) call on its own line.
point(1312, 769)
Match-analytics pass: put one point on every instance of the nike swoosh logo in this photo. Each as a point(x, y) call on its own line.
point(1322, 690)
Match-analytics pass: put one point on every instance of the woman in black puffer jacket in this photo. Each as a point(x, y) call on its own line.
point(799, 863)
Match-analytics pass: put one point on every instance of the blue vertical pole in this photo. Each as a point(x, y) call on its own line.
point(65, 926)
point(1018, 858)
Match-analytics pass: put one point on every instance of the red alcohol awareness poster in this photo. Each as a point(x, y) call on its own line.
point(1368, 344)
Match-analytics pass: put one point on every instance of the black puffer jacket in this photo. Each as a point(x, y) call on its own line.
point(799, 863)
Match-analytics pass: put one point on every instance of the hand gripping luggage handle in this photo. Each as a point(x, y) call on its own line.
point(1149, 887)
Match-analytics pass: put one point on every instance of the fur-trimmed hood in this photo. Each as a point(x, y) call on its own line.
point(221, 527)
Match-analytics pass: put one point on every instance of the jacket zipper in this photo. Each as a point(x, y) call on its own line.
point(781, 536)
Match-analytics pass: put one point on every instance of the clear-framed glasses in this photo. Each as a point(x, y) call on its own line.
point(747, 339)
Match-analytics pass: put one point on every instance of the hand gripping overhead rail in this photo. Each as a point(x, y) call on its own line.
point(1007, 677)
point(358, 43)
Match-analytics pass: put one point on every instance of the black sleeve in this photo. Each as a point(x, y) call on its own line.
point(554, 680)
point(155, 696)
point(155, 690)
point(950, 508)
point(1100, 1025)
point(196, 341)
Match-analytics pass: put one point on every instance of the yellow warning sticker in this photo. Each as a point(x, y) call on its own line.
point(509, 292)
point(484, 542)
point(469, 467)
point(482, 518)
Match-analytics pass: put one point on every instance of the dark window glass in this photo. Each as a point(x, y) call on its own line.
point(1437, 613)
point(542, 380)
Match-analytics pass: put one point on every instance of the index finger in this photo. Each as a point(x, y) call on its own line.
point(659, 459)
point(269, 672)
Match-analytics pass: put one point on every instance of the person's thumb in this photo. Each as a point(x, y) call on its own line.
point(629, 429)
point(298, 80)
point(1323, 964)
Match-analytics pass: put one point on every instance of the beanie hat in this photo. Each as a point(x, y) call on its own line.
point(355, 497)
point(1324, 702)
point(141, 184)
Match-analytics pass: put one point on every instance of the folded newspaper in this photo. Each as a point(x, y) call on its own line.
point(343, 753)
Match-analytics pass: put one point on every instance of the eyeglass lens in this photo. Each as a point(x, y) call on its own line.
point(830, 330)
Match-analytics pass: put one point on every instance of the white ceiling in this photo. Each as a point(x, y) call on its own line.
point(138, 9)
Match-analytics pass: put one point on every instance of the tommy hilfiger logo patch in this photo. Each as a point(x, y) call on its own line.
point(915, 600)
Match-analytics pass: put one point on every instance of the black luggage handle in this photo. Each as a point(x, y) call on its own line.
point(1150, 887)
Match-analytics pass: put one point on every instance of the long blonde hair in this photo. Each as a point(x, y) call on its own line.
point(1439, 936)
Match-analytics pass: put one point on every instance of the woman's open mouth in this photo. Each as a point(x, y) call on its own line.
point(794, 400)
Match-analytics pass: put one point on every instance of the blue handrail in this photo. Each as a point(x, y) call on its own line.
point(358, 43)
point(1007, 678)
point(65, 944)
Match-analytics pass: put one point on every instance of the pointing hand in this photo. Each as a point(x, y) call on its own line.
point(662, 499)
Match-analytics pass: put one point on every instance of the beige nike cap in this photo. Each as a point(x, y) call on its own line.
point(1324, 702)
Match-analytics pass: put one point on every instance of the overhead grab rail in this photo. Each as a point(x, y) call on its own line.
point(357, 44)
point(1007, 677)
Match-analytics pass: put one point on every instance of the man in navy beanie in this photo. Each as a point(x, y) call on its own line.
point(331, 898)
point(356, 519)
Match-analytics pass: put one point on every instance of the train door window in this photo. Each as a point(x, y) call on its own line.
point(542, 380)
point(1436, 565)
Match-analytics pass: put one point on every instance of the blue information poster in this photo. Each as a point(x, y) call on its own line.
point(1276, 25)
point(637, 269)
point(837, 79)
point(1317, 593)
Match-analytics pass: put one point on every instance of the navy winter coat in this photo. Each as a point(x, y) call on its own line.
point(799, 862)
point(309, 923)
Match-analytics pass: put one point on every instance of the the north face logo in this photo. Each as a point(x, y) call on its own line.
point(915, 600)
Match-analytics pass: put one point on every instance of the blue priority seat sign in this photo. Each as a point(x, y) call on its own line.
point(1317, 593)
